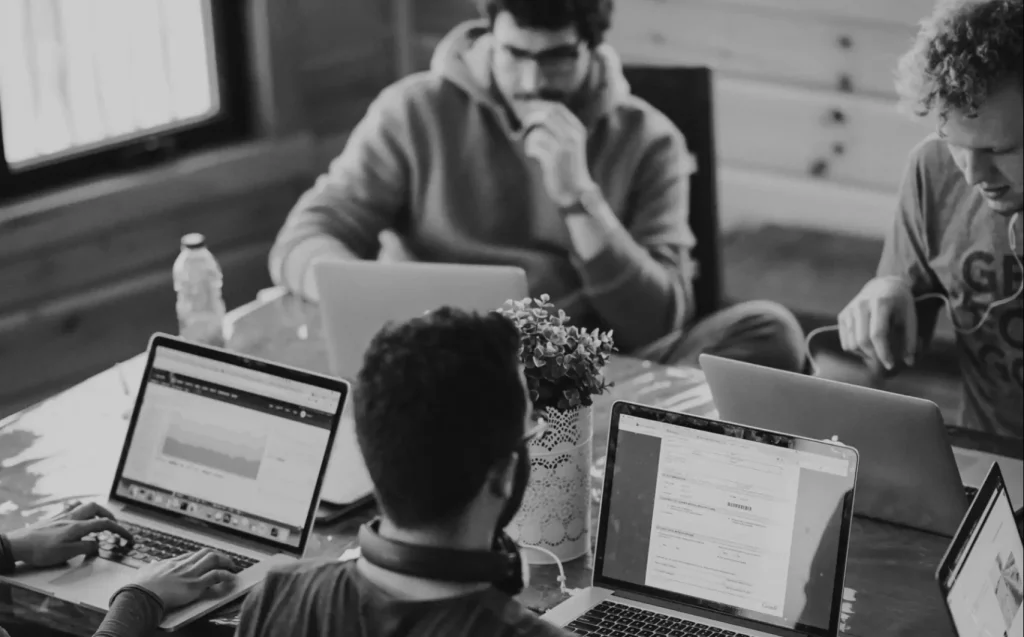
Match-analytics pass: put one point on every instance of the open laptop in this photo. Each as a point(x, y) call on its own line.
point(358, 297)
point(980, 575)
point(709, 525)
point(908, 472)
point(222, 451)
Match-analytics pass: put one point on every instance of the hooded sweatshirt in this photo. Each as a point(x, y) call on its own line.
point(439, 160)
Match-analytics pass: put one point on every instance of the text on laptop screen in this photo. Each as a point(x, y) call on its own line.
point(985, 587)
point(727, 524)
point(228, 445)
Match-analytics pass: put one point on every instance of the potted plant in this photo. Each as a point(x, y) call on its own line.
point(564, 371)
point(564, 363)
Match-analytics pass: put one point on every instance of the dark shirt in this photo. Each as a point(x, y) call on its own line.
point(946, 240)
point(318, 599)
point(134, 612)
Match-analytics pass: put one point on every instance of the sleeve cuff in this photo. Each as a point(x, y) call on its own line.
point(140, 598)
point(617, 262)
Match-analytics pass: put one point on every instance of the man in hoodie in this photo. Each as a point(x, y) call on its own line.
point(442, 416)
point(523, 146)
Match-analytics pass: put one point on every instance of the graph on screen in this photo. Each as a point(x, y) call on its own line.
point(233, 452)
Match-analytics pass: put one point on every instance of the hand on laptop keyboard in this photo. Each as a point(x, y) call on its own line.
point(149, 546)
point(68, 535)
point(182, 580)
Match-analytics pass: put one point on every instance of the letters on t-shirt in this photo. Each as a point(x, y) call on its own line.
point(997, 352)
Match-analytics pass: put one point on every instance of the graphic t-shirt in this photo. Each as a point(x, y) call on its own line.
point(947, 240)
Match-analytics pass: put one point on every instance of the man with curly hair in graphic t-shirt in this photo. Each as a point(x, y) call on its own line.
point(956, 239)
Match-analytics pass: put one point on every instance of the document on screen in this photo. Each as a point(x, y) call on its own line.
point(723, 520)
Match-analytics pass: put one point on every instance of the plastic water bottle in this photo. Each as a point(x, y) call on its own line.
point(198, 282)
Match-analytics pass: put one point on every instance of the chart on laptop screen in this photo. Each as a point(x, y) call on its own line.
point(741, 527)
point(214, 443)
point(220, 448)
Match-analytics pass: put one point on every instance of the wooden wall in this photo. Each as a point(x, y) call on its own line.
point(806, 124)
point(85, 271)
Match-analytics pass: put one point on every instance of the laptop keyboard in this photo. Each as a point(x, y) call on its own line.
point(148, 546)
point(617, 620)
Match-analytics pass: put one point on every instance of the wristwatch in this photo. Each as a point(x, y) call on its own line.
point(588, 200)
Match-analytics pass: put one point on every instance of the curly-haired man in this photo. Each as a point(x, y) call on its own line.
point(957, 237)
point(522, 145)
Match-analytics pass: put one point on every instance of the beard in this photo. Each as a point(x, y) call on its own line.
point(520, 482)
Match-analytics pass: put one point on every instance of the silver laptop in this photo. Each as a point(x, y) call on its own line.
point(358, 297)
point(908, 472)
point(222, 451)
point(713, 524)
point(980, 575)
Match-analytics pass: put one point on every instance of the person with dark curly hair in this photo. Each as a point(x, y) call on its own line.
point(957, 237)
point(442, 414)
point(522, 145)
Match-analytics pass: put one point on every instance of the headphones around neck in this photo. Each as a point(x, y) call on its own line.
point(503, 566)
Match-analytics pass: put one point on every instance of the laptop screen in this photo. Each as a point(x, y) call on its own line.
point(726, 519)
point(228, 445)
point(982, 575)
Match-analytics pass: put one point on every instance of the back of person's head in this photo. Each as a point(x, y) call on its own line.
point(439, 404)
point(591, 18)
point(963, 52)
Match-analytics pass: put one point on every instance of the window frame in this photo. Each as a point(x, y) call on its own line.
point(234, 122)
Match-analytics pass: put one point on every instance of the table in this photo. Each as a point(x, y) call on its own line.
point(66, 448)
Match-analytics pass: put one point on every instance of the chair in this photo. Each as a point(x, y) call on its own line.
point(684, 94)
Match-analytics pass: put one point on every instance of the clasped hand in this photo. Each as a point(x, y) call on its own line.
point(557, 140)
point(177, 582)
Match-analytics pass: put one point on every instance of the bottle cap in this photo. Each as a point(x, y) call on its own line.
point(193, 241)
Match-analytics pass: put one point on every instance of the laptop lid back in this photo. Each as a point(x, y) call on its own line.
point(357, 298)
point(980, 575)
point(908, 473)
point(229, 444)
point(726, 522)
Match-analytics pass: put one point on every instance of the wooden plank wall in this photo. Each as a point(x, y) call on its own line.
point(85, 273)
point(807, 128)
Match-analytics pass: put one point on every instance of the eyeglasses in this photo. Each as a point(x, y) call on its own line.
point(557, 60)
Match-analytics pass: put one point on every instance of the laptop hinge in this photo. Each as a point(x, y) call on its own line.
point(199, 527)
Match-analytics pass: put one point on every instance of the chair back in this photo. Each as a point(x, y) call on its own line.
point(684, 94)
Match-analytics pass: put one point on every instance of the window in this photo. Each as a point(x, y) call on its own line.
point(91, 87)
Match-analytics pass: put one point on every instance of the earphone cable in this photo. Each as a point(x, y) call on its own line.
point(946, 300)
point(561, 571)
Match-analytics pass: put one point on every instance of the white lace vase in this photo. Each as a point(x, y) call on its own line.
point(555, 514)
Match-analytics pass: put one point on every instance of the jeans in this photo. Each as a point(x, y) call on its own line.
point(760, 332)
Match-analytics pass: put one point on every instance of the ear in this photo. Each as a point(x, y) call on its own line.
point(503, 476)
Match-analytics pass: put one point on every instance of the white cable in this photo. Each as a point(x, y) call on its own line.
point(561, 571)
point(945, 300)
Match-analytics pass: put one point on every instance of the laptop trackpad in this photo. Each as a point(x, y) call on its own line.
point(91, 582)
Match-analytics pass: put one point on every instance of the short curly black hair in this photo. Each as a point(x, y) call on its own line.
point(592, 18)
point(963, 51)
point(439, 402)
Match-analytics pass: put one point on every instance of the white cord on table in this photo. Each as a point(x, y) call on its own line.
point(561, 571)
point(946, 300)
